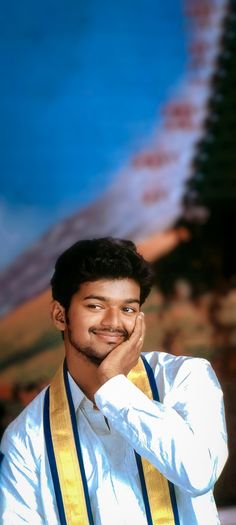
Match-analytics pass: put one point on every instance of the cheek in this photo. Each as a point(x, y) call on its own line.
point(79, 316)
point(130, 324)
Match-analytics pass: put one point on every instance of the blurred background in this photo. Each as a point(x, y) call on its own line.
point(118, 118)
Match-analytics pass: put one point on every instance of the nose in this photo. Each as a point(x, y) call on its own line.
point(111, 318)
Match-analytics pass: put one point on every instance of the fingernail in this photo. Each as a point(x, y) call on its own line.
point(141, 314)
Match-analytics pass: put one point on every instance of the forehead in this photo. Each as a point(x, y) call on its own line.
point(116, 289)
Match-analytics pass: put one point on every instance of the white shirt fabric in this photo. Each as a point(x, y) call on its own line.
point(183, 435)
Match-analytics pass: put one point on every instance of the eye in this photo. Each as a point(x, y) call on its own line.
point(94, 306)
point(129, 310)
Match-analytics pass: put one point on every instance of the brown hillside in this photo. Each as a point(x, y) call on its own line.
point(25, 323)
point(27, 331)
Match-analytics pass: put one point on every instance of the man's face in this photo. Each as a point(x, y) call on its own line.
point(101, 316)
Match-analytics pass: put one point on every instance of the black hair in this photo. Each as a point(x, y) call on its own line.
point(93, 259)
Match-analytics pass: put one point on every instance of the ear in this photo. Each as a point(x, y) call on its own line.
point(58, 315)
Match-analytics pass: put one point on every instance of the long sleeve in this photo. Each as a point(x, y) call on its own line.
point(19, 480)
point(184, 436)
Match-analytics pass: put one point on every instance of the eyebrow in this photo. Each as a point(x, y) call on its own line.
point(102, 298)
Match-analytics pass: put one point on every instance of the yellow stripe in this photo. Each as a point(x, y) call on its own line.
point(156, 484)
point(68, 465)
point(66, 455)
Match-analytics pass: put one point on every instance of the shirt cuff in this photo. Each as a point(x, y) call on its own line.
point(117, 393)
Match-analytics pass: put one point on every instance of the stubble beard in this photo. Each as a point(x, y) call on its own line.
point(90, 352)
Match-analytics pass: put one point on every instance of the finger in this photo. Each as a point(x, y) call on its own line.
point(138, 328)
point(142, 334)
point(143, 328)
point(136, 340)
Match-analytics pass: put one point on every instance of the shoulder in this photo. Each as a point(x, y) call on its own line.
point(25, 433)
point(179, 371)
point(161, 360)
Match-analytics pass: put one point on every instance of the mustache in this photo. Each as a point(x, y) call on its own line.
point(109, 329)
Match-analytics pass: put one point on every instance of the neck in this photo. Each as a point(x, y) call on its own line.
point(84, 372)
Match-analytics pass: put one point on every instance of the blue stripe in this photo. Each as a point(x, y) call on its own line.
point(151, 378)
point(144, 489)
point(1, 457)
point(77, 444)
point(52, 460)
point(155, 395)
point(174, 502)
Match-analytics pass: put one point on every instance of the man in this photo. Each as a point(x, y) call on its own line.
point(116, 439)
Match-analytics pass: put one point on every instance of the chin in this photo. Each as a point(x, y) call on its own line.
point(97, 356)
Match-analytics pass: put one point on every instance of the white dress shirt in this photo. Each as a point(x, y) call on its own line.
point(183, 435)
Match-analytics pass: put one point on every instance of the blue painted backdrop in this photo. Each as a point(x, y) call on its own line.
point(81, 87)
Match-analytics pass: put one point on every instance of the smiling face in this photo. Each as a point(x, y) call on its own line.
point(101, 316)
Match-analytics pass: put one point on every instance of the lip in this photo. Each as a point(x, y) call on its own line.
point(109, 336)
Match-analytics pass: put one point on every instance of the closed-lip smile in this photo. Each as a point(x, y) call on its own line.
point(108, 335)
